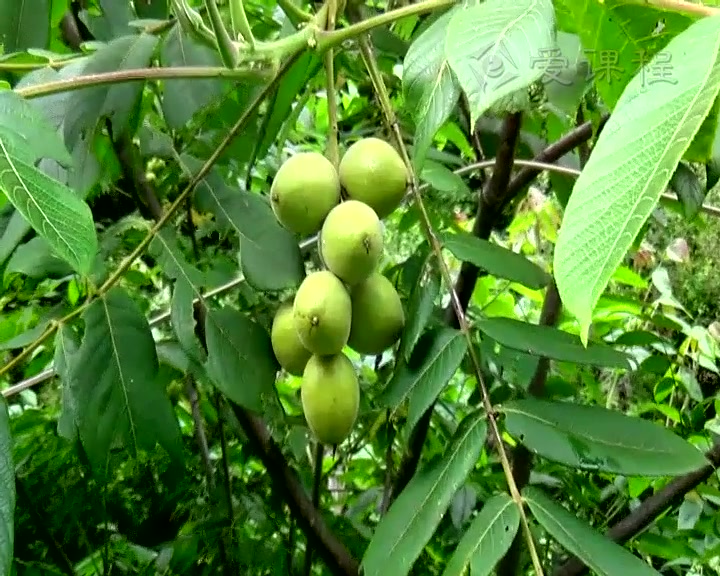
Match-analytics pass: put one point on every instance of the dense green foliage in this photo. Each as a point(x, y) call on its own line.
point(551, 403)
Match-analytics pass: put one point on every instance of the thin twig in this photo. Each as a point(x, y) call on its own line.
point(382, 93)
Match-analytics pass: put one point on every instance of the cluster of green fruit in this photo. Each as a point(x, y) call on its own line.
point(349, 302)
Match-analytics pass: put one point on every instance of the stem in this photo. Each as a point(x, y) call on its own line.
point(226, 47)
point(295, 14)
point(204, 170)
point(30, 66)
point(118, 76)
point(382, 93)
point(327, 40)
point(333, 147)
point(240, 22)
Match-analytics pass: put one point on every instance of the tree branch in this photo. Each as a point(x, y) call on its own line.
point(649, 510)
point(332, 550)
point(492, 201)
point(554, 152)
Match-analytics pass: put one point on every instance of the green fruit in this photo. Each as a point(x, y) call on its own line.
point(378, 317)
point(321, 313)
point(304, 190)
point(351, 241)
point(289, 350)
point(373, 172)
point(330, 395)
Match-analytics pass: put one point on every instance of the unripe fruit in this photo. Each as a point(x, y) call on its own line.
point(305, 189)
point(286, 344)
point(322, 312)
point(378, 316)
point(373, 172)
point(330, 396)
point(351, 241)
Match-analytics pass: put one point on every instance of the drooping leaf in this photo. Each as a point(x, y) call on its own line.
point(414, 516)
point(112, 22)
point(13, 234)
point(444, 180)
point(430, 88)
point(270, 257)
point(293, 83)
point(240, 360)
point(550, 342)
point(420, 308)
point(114, 383)
point(595, 438)
point(183, 320)
point(435, 359)
point(686, 185)
point(67, 344)
point(118, 102)
point(599, 553)
point(182, 98)
point(487, 539)
point(629, 168)
point(36, 260)
point(7, 492)
point(165, 247)
point(496, 260)
point(24, 25)
point(495, 48)
point(53, 210)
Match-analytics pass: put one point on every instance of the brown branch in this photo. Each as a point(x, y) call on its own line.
point(522, 458)
point(554, 152)
point(649, 510)
point(317, 487)
point(332, 550)
point(493, 199)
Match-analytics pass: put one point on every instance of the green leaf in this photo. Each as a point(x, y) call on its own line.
point(487, 539)
point(118, 102)
point(414, 516)
point(629, 168)
point(494, 48)
point(36, 260)
point(67, 345)
point(24, 25)
point(689, 190)
point(270, 257)
point(53, 210)
point(182, 98)
point(436, 358)
point(16, 229)
point(7, 492)
point(595, 438)
point(152, 9)
point(25, 132)
point(619, 38)
point(112, 22)
point(165, 248)
point(114, 382)
point(182, 317)
point(550, 342)
point(420, 309)
point(430, 89)
point(599, 553)
point(240, 360)
point(496, 260)
point(295, 80)
point(441, 178)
